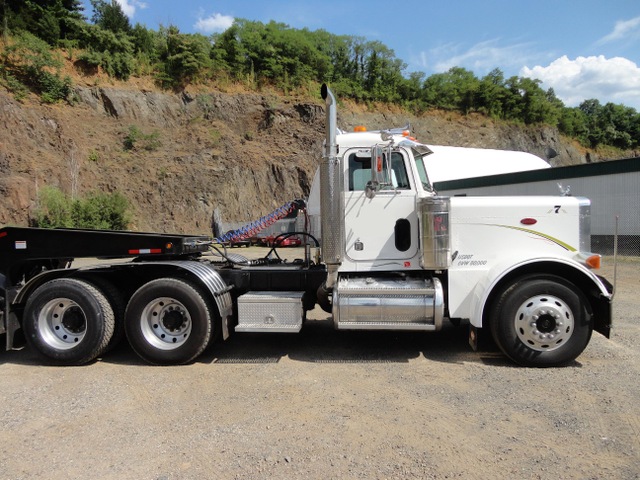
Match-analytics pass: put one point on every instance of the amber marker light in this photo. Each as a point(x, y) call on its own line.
point(168, 246)
point(593, 261)
point(360, 128)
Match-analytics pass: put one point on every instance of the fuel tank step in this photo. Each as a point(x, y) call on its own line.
point(383, 303)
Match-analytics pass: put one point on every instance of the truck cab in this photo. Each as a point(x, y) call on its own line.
point(400, 257)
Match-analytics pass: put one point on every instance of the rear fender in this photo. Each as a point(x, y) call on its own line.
point(204, 275)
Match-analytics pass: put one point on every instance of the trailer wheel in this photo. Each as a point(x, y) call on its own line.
point(68, 321)
point(168, 322)
point(541, 321)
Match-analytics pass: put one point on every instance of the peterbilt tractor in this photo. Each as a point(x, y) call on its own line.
point(383, 252)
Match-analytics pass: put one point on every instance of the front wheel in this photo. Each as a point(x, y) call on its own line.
point(541, 321)
point(168, 322)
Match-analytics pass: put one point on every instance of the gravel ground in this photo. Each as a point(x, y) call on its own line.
point(332, 405)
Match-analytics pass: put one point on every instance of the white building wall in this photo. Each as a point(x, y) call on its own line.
point(610, 195)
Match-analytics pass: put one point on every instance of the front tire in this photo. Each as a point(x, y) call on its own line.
point(541, 321)
point(68, 321)
point(168, 322)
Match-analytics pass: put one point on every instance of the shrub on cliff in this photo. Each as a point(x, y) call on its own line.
point(28, 61)
point(97, 210)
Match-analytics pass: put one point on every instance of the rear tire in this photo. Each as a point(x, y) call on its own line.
point(118, 305)
point(68, 321)
point(168, 322)
point(541, 321)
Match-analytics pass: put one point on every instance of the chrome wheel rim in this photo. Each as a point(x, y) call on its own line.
point(544, 323)
point(62, 323)
point(166, 323)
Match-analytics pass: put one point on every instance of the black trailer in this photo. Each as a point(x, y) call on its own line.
point(168, 299)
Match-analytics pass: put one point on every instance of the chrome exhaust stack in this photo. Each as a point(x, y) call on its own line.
point(331, 186)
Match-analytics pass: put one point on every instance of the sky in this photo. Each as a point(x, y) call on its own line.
point(583, 49)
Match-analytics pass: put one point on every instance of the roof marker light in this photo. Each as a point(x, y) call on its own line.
point(360, 128)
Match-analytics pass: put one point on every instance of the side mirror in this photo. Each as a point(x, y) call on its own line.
point(380, 170)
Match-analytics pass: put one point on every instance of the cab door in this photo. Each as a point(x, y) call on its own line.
point(383, 228)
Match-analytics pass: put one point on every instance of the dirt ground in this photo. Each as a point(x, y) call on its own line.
point(332, 405)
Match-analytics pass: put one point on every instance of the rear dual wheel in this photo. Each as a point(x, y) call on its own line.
point(68, 321)
point(168, 322)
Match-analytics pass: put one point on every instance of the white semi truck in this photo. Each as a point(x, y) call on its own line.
point(393, 256)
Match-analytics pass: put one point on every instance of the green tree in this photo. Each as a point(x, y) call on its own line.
point(382, 72)
point(50, 20)
point(228, 52)
point(110, 16)
point(573, 122)
point(536, 107)
point(113, 52)
point(456, 89)
point(143, 40)
point(410, 90)
point(617, 121)
point(492, 94)
point(186, 58)
point(593, 111)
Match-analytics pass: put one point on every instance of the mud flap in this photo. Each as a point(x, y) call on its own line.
point(603, 316)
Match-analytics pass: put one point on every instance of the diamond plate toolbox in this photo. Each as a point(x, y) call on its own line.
point(270, 312)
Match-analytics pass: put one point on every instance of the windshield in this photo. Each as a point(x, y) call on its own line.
point(422, 171)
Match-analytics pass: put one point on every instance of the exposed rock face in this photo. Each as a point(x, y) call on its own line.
point(243, 154)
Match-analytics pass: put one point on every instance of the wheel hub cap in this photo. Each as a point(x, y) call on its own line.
point(544, 323)
point(166, 323)
point(63, 323)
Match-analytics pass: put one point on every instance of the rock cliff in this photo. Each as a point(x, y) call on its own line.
point(245, 154)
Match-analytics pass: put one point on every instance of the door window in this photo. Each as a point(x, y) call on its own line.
point(360, 172)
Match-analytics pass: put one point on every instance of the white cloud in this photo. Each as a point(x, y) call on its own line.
point(129, 6)
point(622, 30)
point(481, 58)
point(214, 23)
point(615, 80)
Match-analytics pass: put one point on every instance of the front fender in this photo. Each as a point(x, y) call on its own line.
point(595, 288)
